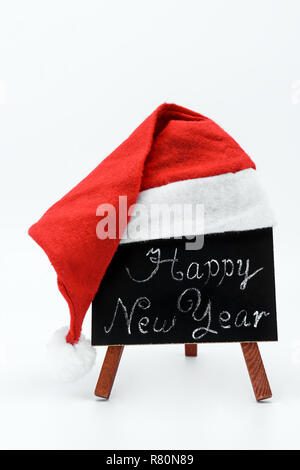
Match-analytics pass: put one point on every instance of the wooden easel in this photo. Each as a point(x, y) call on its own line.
point(252, 356)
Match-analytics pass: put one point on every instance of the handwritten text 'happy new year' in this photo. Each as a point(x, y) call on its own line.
point(190, 300)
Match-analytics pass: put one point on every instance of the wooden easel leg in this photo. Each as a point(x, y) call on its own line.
point(256, 371)
point(108, 371)
point(190, 349)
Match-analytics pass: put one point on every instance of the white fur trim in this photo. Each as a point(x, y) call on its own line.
point(69, 362)
point(231, 202)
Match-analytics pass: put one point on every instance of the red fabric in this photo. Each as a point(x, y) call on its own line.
point(172, 144)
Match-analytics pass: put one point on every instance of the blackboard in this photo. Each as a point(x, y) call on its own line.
point(159, 292)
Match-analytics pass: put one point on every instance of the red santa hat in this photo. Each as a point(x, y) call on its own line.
point(174, 155)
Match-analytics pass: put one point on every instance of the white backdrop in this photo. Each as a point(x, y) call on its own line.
point(76, 77)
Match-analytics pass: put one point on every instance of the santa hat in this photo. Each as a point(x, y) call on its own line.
point(174, 155)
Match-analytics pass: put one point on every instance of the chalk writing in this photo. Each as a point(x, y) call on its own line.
point(189, 302)
point(158, 292)
point(208, 270)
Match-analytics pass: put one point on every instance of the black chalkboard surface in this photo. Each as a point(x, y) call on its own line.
point(158, 292)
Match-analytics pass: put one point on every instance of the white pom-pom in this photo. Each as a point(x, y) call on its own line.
point(69, 362)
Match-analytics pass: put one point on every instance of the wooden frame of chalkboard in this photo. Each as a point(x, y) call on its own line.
point(254, 363)
point(158, 292)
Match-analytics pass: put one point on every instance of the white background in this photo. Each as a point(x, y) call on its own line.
point(76, 77)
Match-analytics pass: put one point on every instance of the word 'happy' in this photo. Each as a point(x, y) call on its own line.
point(196, 271)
